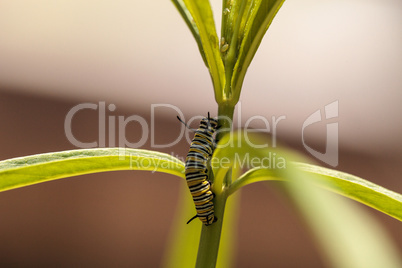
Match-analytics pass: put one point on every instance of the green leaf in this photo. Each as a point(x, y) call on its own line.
point(335, 221)
point(24, 171)
point(234, 18)
point(259, 17)
point(356, 188)
point(183, 242)
point(254, 175)
point(201, 13)
point(239, 151)
point(349, 236)
point(185, 13)
point(353, 187)
point(244, 154)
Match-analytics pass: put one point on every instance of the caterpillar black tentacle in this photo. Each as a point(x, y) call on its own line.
point(196, 170)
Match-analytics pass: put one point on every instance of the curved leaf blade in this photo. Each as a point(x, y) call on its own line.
point(252, 176)
point(201, 12)
point(348, 235)
point(334, 221)
point(28, 170)
point(353, 187)
point(356, 188)
point(239, 151)
point(260, 18)
point(181, 250)
point(185, 13)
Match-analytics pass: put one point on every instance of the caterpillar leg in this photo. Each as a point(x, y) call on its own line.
point(190, 220)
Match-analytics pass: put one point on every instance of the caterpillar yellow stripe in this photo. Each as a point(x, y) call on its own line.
point(201, 149)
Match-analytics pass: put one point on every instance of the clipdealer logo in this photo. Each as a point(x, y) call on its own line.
point(331, 154)
point(113, 124)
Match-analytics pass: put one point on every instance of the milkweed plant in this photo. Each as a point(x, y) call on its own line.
point(332, 221)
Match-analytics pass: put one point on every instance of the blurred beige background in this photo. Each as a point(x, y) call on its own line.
point(57, 54)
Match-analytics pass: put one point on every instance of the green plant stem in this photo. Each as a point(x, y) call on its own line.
point(210, 235)
point(224, 18)
point(230, 58)
point(233, 48)
point(225, 115)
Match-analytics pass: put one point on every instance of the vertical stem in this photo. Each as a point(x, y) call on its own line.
point(210, 235)
point(225, 112)
point(231, 56)
point(225, 116)
point(224, 18)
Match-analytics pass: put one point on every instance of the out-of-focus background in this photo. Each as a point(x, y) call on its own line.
point(55, 55)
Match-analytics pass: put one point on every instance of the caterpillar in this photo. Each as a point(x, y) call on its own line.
point(201, 149)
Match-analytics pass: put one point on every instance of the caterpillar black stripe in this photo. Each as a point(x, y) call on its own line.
point(201, 150)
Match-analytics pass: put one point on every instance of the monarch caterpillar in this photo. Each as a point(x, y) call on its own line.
point(201, 150)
